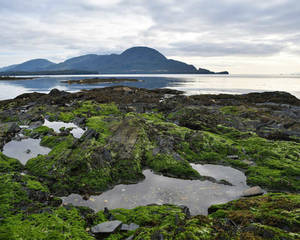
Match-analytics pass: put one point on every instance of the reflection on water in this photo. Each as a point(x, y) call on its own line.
point(76, 131)
point(219, 172)
point(8, 90)
point(197, 195)
point(190, 83)
point(24, 149)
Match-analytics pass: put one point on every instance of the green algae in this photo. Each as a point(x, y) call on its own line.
point(128, 143)
point(57, 224)
point(8, 164)
point(14, 195)
point(153, 142)
point(85, 109)
point(169, 166)
point(275, 164)
point(39, 131)
point(272, 216)
point(61, 167)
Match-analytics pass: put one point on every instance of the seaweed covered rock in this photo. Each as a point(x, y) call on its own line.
point(122, 147)
point(272, 216)
point(8, 164)
point(51, 223)
point(21, 193)
point(131, 129)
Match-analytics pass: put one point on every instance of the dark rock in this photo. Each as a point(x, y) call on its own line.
point(157, 235)
point(79, 120)
point(108, 214)
point(36, 124)
point(186, 211)
point(54, 201)
point(265, 233)
point(106, 227)
point(37, 195)
point(101, 157)
point(89, 134)
point(224, 182)
point(55, 92)
point(13, 128)
point(86, 196)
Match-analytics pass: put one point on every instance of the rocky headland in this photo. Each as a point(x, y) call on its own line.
point(130, 129)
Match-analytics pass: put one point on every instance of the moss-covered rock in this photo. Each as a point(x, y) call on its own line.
point(130, 129)
point(8, 164)
point(21, 193)
point(272, 216)
point(157, 222)
point(57, 223)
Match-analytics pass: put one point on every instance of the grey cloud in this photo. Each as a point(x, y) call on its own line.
point(224, 49)
point(217, 27)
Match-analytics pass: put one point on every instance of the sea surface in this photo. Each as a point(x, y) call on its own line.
point(189, 83)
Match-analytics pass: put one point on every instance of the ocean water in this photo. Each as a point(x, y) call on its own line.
point(189, 83)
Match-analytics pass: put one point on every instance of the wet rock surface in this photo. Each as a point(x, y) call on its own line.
point(106, 227)
point(131, 129)
point(254, 191)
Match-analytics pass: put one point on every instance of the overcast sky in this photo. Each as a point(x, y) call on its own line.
point(242, 36)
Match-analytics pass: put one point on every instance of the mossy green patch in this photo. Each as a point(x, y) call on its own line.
point(59, 224)
point(85, 109)
point(8, 164)
point(170, 166)
point(272, 216)
point(69, 166)
point(14, 196)
point(274, 163)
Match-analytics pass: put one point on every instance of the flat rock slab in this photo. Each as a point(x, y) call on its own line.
point(106, 227)
point(254, 191)
point(130, 227)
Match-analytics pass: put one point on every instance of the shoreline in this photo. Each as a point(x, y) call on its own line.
point(130, 129)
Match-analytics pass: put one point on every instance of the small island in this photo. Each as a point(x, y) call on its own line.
point(100, 80)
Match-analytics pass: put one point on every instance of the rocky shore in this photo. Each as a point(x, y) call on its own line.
point(128, 130)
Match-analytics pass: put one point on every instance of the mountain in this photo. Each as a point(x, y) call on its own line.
point(133, 60)
point(32, 66)
point(3, 69)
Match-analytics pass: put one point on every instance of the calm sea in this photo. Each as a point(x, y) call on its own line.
point(190, 83)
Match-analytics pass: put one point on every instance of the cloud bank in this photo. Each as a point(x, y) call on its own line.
point(202, 32)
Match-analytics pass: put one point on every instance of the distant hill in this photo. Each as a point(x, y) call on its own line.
point(32, 66)
point(134, 60)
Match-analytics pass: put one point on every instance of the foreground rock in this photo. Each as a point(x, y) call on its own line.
point(130, 129)
point(106, 227)
point(254, 191)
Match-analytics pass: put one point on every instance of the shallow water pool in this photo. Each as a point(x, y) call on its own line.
point(197, 195)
